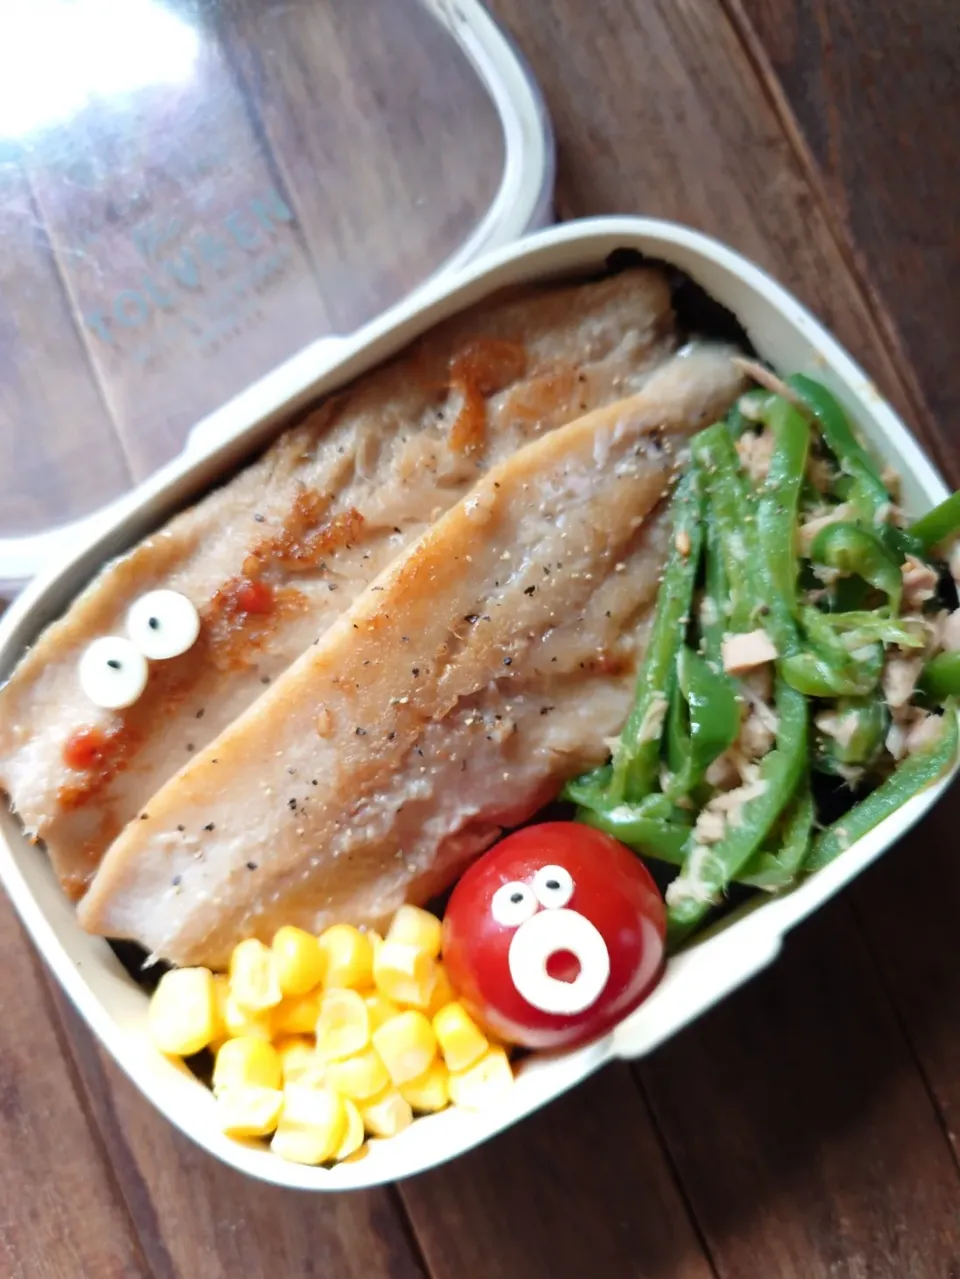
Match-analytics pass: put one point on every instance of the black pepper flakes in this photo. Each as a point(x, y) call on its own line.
point(331, 586)
point(144, 817)
point(200, 713)
point(470, 618)
point(251, 865)
point(391, 736)
point(176, 880)
point(415, 671)
point(360, 732)
point(190, 747)
point(529, 590)
point(508, 661)
point(181, 829)
point(209, 826)
point(292, 804)
point(259, 518)
point(264, 679)
point(291, 770)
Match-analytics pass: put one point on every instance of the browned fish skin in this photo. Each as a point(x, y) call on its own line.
point(481, 670)
point(298, 534)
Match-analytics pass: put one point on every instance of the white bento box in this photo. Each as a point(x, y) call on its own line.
point(113, 1005)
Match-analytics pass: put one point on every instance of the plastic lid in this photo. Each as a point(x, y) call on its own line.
point(193, 191)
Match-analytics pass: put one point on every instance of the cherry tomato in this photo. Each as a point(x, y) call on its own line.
point(554, 935)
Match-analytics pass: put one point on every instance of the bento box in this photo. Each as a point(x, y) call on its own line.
point(744, 942)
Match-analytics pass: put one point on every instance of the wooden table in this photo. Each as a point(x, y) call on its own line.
point(806, 1127)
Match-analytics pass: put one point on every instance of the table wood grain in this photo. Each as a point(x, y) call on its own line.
point(807, 1127)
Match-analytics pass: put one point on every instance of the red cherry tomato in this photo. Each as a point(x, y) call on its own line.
point(554, 935)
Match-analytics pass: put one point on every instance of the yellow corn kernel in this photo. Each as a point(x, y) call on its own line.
point(253, 976)
point(387, 1114)
point(299, 960)
point(343, 1027)
point(379, 1009)
point(247, 1063)
point(299, 1060)
point(429, 1091)
point(404, 973)
point(312, 1126)
point(240, 1021)
point(360, 1077)
point(443, 992)
point(354, 1134)
point(348, 954)
point(183, 1011)
point(461, 1040)
point(297, 1015)
point(482, 1083)
point(249, 1111)
point(406, 1044)
point(416, 927)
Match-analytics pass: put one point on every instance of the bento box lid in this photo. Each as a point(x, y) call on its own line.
point(193, 195)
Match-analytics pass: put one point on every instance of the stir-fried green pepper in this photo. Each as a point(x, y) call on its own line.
point(703, 720)
point(653, 827)
point(911, 776)
point(708, 871)
point(777, 519)
point(775, 870)
point(861, 724)
point(853, 550)
point(868, 493)
point(731, 517)
point(940, 677)
point(939, 524)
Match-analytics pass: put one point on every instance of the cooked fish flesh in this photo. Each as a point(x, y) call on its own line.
point(487, 665)
point(272, 557)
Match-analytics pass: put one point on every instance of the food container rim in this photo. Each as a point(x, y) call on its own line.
point(697, 978)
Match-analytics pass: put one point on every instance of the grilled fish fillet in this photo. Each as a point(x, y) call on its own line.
point(486, 666)
point(313, 521)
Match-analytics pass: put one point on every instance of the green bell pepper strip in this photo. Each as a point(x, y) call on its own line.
point(731, 515)
point(854, 550)
point(636, 760)
point(940, 677)
point(858, 627)
point(645, 831)
point(900, 542)
point(703, 720)
point(938, 524)
point(909, 778)
point(863, 743)
point(772, 871)
point(708, 872)
point(713, 604)
point(777, 520)
point(815, 676)
point(868, 493)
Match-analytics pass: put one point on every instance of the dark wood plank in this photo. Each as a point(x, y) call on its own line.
point(875, 92)
point(53, 421)
point(580, 1188)
point(186, 270)
point(389, 146)
point(801, 1129)
point(60, 1214)
point(196, 1217)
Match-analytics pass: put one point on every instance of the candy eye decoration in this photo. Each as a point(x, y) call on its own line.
point(163, 624)
point(513, 904)
point(553, 887)
point(113, 671)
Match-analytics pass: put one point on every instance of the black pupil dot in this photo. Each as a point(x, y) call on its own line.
point(553, 884)
point(114, 664)
point(154, 623)
point(516, 898)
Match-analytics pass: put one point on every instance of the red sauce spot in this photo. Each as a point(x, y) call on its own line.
point(85, 748)
point(254, 597)
point(97, 755)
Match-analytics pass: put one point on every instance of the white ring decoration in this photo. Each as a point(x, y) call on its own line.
point(548, 932)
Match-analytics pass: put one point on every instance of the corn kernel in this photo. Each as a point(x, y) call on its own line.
point(416, 927)
point(379, 1009)
point(349, 957)
point(354, 1134)
point(482, 1083)
point(249, 1111)
point(297, 1014)
point(221, 989)
point(253, 976)
point(387, 1114)
point(360, 1077)
point(443, 992)
point(406, 1044)
point(240, 1021)
point(343, 1027)
point(429, 1091)
point(183, 1011)
point(460, 1038)
point(404, 973)
point(299, 960)
point(312, 1126)
point(247, 1063)
point(299, 1060)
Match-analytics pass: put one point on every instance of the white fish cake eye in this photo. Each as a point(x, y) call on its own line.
point(113, 672)
point(163, 624)
point(553, 886)
point(513, 904)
